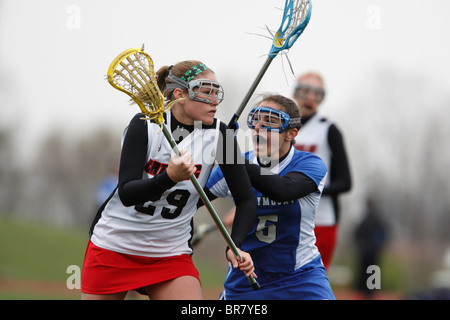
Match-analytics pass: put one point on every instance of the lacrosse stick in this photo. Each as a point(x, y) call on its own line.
point(133, 72)
point(296, 16)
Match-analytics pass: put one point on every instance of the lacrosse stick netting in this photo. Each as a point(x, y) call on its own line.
point(296, 16)
point(133, 72)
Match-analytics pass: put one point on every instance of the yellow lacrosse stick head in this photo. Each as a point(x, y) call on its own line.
point(133, 72)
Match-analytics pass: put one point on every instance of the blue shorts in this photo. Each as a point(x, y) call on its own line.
point(309, 282)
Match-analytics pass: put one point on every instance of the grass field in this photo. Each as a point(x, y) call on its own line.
point(31, 251)
point(34, 260)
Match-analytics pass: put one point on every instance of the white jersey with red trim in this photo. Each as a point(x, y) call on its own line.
point(159, 228)
point(313, 137)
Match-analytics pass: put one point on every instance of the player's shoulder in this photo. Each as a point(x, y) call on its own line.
point(215, 176)
point(140, 120)
point(323, 120)
point(304, 158)
point(309, 164)
point(330, 124)
point(137, 125)
point(222, 125)
point(137, 117)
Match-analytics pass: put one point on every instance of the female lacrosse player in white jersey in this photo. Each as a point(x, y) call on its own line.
point(321, 137)
point(139, 239)
point(287, 186)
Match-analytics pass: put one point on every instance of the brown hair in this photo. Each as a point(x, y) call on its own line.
point(288, 106)
point(177, 70)
point(313, 74)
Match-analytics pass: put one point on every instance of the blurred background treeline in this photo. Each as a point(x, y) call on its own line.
point(399, 156)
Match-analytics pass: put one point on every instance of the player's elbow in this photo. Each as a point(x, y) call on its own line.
point(125, 197)
point(347, 185)
point(125, 201)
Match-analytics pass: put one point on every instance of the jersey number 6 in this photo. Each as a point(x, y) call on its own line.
point(267, 233)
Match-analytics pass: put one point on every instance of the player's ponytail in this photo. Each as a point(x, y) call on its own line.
point(162, 74)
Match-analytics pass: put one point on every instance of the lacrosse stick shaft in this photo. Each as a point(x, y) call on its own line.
point(250, 92)
point(209, 207)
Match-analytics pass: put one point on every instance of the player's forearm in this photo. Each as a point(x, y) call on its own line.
point(293, 186)
point(141, 191)
point(244, 199)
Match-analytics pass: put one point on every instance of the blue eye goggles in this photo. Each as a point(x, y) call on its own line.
point(269, 119)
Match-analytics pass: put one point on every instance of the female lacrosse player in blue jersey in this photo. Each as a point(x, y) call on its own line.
point(287, 185)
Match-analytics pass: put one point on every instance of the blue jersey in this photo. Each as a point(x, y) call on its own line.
point(282, 241)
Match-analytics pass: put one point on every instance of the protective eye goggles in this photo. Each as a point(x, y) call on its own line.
point(202, 90)
point(303, 90)
point(270, 119)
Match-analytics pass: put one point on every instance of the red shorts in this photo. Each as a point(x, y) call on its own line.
point(106, 272)
point(326, 242)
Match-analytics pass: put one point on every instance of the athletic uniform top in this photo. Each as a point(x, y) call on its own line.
point(321, 137)
point(282, 239)
point(150, 215)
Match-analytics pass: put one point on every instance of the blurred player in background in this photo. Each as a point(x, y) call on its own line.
point(370, 235)
point(108, 183)
point(321, 137)
point(287, 185)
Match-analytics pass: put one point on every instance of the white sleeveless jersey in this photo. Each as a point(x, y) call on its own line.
point(159, 228)
point(313, 137)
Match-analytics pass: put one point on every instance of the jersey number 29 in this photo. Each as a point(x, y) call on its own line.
point(177, 198)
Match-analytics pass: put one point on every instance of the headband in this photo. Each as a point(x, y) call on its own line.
point(193, 72)
point(183, 82)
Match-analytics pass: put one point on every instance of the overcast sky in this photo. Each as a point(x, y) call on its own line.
point(54, 54)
